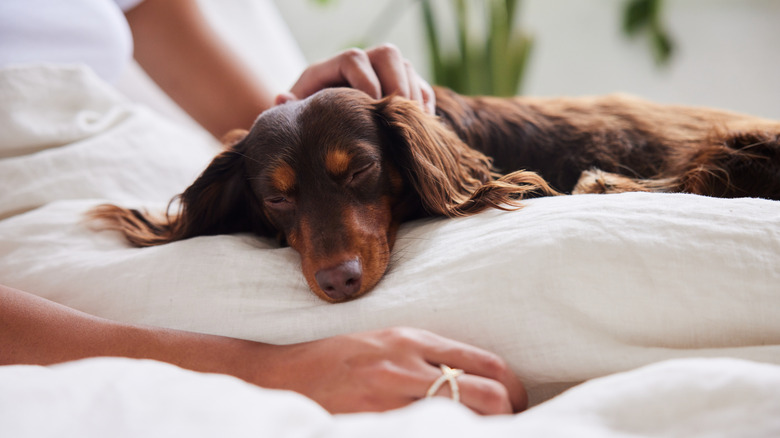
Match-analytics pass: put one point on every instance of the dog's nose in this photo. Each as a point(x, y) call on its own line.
point(341, 281)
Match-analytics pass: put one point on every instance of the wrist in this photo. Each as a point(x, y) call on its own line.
point(250, 361)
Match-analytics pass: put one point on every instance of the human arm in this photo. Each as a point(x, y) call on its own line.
point(34, 330)
point(177, 47)
point(372, 371)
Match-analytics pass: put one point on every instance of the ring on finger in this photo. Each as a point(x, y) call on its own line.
point(448, 375)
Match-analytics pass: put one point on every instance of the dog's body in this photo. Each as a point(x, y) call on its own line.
point(660, 147)
point(335, 175)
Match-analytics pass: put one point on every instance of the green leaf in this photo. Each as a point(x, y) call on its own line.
point(662, 47)
point(490, 62)
point(637, 15)
point(432, 35)
point(644, 17)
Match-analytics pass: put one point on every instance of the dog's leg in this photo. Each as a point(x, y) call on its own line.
point(598, 181)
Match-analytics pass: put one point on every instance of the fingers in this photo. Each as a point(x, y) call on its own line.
point(397, 76)
point(391, 70)
point(358, 71)
point(415, 89)
point(482, 395)
point(391, 368)
point(494, 369)
point(476, 362)
point(420, 90)
point(379, 71)
point(401, 383)
point(488, 385)
point(351, 67)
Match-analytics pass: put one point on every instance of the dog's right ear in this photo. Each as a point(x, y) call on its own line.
point(220, 201)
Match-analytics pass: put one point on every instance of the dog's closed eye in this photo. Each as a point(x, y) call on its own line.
point(362, 173)
point(278, 202)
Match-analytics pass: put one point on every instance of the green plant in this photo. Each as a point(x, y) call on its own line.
point(491, 50)
point(644, 17)
point(490, 57)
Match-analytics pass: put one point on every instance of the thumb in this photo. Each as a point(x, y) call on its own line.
point(283, 98)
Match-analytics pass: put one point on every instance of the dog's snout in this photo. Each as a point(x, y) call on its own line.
point(341, 281)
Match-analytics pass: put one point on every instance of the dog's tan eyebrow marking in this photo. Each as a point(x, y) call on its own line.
point(337, 161)
point(283, 177)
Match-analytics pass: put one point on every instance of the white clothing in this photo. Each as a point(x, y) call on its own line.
point(91, 32)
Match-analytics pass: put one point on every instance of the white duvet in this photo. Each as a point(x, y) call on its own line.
point(125, 398)
point(567, 289)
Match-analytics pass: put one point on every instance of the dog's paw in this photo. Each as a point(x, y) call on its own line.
point(598, 181)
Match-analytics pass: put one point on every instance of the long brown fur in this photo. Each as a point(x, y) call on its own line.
point(396, 163)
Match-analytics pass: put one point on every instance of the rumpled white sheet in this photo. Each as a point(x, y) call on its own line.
point(126, 398)
point(567, 289)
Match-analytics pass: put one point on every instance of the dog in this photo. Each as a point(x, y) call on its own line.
point(334, 175)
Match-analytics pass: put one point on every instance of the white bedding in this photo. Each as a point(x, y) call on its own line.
point(125, 398)
point(567, 289)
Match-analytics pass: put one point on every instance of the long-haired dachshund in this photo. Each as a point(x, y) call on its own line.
point(334, 175)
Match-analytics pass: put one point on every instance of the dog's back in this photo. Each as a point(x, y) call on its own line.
point(665, 147)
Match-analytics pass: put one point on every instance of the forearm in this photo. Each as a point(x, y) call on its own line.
point(37, 331)
point(179, 50)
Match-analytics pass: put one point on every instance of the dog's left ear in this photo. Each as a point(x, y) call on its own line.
point(449, 177)
point(442, 170)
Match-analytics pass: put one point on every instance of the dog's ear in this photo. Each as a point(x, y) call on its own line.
point(448, 176)
point(220, 201)
point(233, 137)
point(442, 170)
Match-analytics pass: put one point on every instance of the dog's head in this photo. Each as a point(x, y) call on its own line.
point(333, 176)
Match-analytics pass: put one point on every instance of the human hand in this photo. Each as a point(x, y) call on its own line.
point(388, 369)
point(379, 71)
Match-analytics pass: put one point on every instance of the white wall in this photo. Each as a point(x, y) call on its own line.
point(728, 51)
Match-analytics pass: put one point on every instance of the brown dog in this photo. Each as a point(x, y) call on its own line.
point(334, 175)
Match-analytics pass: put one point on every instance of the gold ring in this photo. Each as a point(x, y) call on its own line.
point(447, 375)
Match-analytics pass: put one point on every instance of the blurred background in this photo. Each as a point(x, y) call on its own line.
point(721, 53)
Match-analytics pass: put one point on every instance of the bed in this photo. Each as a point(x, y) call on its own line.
point(631, 314)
